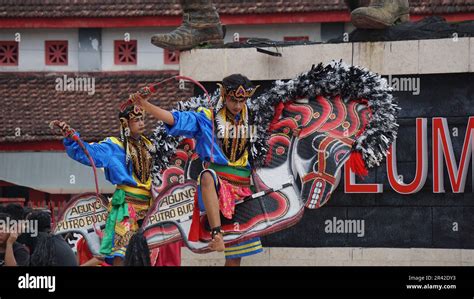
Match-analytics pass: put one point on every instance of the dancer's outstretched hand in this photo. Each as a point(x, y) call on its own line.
point(138, 98)
point(66, 129)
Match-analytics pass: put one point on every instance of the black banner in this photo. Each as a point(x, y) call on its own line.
point(119, 282)
point(422, 218)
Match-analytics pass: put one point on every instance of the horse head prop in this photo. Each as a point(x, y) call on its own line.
point(306, 129)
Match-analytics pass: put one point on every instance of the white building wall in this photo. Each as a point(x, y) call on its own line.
point(436, 56)
point(149, 57)
point(32, 49)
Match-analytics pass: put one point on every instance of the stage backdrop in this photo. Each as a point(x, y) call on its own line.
point(378, 216)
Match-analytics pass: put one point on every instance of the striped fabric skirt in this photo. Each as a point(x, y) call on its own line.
point(246, 248)
point(231, 184)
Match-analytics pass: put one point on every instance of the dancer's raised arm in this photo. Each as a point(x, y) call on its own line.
point(157, 112)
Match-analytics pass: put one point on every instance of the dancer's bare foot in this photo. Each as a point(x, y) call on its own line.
point(217, 243)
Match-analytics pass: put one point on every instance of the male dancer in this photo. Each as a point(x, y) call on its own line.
point(225, 150)
point(127, 163)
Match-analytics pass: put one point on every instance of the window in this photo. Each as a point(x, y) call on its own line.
point(125, 52)
point(56, 52)
point(171, 57)
point(295, 38)
point(8, 53)
point(332, 30)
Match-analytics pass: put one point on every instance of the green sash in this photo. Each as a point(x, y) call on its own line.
point(117, 213)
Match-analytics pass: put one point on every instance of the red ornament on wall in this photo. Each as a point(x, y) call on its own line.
point(56, 52)
point(8, 53)
point(171, 57)
point(125, 53)
point(295, 38)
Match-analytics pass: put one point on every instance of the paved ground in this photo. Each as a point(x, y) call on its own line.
point(341, 257)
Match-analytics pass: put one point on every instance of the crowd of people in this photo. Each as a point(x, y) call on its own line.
point(41, 247)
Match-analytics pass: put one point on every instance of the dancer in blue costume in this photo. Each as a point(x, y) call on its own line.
point(226, 152)
point(127, 163)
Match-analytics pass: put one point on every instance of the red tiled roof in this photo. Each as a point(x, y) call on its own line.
point(141, 8)
point(30, 101)
point(441, 6)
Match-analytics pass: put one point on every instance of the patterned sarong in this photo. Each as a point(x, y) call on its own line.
point(125, 210)
point(232, 184)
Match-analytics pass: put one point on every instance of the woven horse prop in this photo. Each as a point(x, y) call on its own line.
point(307, 128)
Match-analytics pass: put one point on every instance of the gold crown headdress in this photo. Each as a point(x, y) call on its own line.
point(239, 92)
point(132, 112)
